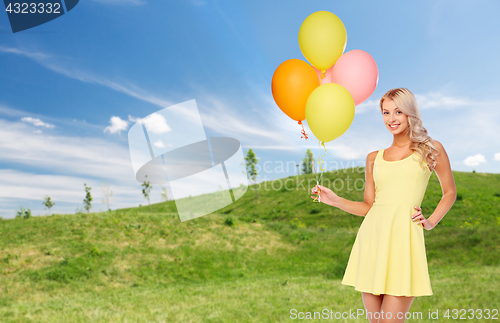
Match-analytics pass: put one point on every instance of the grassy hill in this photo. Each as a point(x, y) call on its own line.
point(252, 261)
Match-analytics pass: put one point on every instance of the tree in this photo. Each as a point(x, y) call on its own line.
point(307, 164)
point(146, 189)
point(48, 203)
point(164, 194)
point(23, 213)
point(107, 192)
point(252, 173)
point(87, 205)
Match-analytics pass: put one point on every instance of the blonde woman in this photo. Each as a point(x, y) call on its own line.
point(388, 264)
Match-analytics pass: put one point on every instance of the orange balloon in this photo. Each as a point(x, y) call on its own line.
point(292, 83)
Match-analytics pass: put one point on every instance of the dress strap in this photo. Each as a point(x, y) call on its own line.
point(379, 154)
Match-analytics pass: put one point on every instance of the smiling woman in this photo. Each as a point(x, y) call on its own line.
point(388, 263)
point(402, 117)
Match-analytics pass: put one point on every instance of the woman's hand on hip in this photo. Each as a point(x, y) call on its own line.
point(421, 218)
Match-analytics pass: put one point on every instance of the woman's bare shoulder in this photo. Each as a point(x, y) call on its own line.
point(370, 161)
point(437, 144)
point(371, 156)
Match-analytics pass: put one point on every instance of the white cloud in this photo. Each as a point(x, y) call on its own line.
point(466, 130)
point(74, 160)
point(18, 184)
point(441, 101)
point(497, 157)
point(159, 144)
point(224, 120)
point(154, 122)
point(37, 122)
point(474, 160)
point(21, 188)
point(35, 56)
point(366, 106)
point(71, 123)
point(8, 111)
point(117, 125)
point(71, 155)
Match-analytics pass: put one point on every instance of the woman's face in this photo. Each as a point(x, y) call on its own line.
point(395, 120)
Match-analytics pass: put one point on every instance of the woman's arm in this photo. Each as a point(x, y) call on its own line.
point(361, 208)
point(445, 175)
point(356, 208)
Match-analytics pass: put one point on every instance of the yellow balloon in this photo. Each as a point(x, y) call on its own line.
point(322, 39)
point(329, 111)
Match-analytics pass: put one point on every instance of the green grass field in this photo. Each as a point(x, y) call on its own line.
point(282, 252)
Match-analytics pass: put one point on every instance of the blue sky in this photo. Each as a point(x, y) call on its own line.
point(62, 82)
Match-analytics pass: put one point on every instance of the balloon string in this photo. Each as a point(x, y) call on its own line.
point(323, 75)
point(303, 132)
point(320, 160)
point(315, 198)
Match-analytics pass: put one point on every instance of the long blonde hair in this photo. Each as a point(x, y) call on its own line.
point(420, 140)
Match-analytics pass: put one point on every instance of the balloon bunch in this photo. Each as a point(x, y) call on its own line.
point(327, 91)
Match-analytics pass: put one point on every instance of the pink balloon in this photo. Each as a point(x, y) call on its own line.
point(328, 75)
point(357, 71)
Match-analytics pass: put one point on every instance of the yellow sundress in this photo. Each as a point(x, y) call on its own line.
point(388, 255)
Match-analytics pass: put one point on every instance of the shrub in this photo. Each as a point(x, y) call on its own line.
point(322, 227)
point(247, 218)
point(296, 223)
point(23, 213)
point(95, 252)
point(229, 221)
